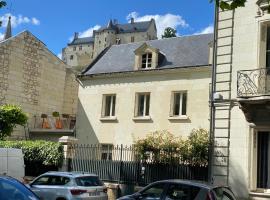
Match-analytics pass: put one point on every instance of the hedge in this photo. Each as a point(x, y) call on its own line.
point(44, 152)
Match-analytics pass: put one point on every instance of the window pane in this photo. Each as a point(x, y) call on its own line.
point(113, 105)
point(176, 106)
point(184, 104)
point(87, 181)
point(154, 192)
point(147, 104)
point(107, 105)
point(263, 172)
point(140, 104)
point(143, 65)
point(268, 38)
point(149, 65)
point(149, 55)
point(181, 191)
point(268, 59)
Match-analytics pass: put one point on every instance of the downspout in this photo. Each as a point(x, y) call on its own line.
point(213, 89)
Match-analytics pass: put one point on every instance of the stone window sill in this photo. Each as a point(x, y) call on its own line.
point(107, 119)
point(260, 193)
point(142, 118)
point(182, 117)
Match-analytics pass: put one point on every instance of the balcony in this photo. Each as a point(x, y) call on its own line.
point(253, 94)
point(51, 128)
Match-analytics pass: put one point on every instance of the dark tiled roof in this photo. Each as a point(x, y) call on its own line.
point(85, 40)
point(127, 28)
point(186, 51)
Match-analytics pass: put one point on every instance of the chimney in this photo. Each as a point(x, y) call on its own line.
point(132, 20)
point(76, 35)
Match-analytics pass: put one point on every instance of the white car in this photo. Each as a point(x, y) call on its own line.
point(68, 186)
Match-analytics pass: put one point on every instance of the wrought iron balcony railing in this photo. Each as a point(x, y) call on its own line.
point(253, 83)
point(45, 123)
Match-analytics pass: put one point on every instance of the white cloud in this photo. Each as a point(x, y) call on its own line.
point(18, 20)
point(59, 56)
point(87, 33)
point(35, 21)
point(2, 35)
point(162, 21)
point(206, 30)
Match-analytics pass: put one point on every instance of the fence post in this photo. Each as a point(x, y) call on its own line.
point(121, 164)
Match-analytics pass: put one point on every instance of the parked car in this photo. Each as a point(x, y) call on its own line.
point(181, 190)
point(11, 189)
point(69, 186)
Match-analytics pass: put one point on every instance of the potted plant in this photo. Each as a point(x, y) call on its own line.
point(58, 123)
point(45, 123)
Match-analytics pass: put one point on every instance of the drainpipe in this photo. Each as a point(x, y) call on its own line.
point(213, 89)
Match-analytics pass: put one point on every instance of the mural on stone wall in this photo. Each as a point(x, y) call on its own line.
point(4, 71)
point(31, 69)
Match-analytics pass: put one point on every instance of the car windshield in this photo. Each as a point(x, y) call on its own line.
point(86, 181)
point(11, 189)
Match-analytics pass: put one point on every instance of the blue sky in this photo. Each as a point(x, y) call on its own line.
point(55, 21)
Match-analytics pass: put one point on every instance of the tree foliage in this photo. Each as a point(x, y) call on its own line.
point(10, 116)
point(2, 4)
point(169, 32)
point(47, 153)
point(164, 147)
point(231, 5)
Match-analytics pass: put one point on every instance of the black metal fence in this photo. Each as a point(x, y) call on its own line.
point(123, 164)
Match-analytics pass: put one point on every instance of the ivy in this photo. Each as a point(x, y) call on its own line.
point(47, 153)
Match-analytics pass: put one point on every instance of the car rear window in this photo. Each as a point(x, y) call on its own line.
point(87, 181)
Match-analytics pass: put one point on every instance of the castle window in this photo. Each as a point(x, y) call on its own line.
point(146, 61)
point(80, 47)
point(74, 48)
point(71, 57)
point(105, 39)
point(132, 39)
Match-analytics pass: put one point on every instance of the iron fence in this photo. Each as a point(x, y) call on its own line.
point(252, 83)
point(123, 164)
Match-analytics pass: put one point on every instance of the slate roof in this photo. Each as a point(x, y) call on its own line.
point(84, 40)
point(127, 28)
point(185, 51)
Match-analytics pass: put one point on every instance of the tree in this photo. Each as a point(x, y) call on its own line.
point(169, 32)
point(10, 116)
point(224, 5)
point(2, 4)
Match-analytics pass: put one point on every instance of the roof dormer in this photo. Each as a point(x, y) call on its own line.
point(146, 57)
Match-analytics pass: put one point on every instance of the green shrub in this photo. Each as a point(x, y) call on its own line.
point(47, 153)
point(164, 147)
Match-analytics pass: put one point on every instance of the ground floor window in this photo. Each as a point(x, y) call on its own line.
point(263, 160)
point(106, 151)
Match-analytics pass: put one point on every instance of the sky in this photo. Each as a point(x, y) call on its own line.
point(55, 21)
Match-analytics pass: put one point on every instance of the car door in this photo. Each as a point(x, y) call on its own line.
point(179, 191)
point(42, 187)
point(153, 192)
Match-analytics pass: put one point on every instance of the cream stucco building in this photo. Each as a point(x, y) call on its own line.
point(34, 78)
point(82, 51)
point(241, 114)
point(140, 87)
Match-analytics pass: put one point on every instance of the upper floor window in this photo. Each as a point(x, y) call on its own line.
point(268, 47)
point(108, 108)
point(132, 39)
point(142, 104)
point(74, 48)
point(146, 60)
point(179, 104)
point(71, 57)
point(80, 47)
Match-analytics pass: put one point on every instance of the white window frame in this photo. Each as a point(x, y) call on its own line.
point(180, 103)
point(111, 106)
point(147, 61)
point(144, 104)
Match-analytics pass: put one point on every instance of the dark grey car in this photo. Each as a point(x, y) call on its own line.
point(181, 190)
